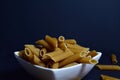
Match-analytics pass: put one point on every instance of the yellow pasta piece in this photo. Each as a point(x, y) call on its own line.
point(43, 51)
point(52, 41)
point(61, 38)
point(62, 45)
point(114, 59)
point(106, 77)
point(33, 49)
point(108, 67)
point(29, 55)
point(83, 53)
point(69, 60)
point(55, 65)
point(92, 53)
point(21, 54)
point(56, 52)
point(71, 64)
point(44, 44)
point(62, 56)
point(37, 61)
point(70, 41)
point(76, 48)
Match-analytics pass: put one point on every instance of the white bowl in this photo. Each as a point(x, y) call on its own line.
point(68, 73)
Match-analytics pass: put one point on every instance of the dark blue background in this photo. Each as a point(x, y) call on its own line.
point(93, 23)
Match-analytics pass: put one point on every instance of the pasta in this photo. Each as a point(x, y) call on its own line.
point(55, 65)
point(33, 49)
point(44, 44)
point(108, 67)
point(70, 59)
point(71, 64)
point(57, 53)
point(92, 53)
point(70, 41)
point(51, 41)
point(114, 59)
point(106, 77)
point(61, 39)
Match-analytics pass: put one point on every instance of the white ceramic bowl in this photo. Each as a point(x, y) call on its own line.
point(68, 73)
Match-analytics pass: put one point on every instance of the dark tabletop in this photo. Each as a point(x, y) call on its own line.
point(93, 23)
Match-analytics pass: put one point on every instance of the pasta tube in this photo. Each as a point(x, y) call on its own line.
point(44, 44)
point(108, 67)
point(106, 77)
point(69, 60)
point(43, 51)
point(62, 56)
point(70, 41)
point(52, 41)
point(29, 55)
point(37, 61)
point(114, 59)
point(92, 53)
point(55, 65)
point(71, 64)
point(76, 48)
point(62, 45)
point(33, 49)
point(61, 38)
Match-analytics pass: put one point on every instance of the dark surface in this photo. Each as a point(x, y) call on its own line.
point(94, 24)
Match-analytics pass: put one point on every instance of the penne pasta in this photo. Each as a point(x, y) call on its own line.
point(76, 48)
point(29, 55)
point(71, 64)
point(62, 46)
point(69, 60)
point(70, 41)
point(108, 67)
point(37, 61)
point(33, 49)
point(114, 59)
point(61, 38)
point(43, 51)
point(55, 65)
point(49, 55)
point(62, 56)
point(22, 54)
point(44, 44)
point(106, 77)
point(83, 53)
point(52, 41)
point(92, 53)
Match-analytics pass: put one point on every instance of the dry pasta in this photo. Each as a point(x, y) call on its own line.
point(44, 44)
point(52, 41)
point(56, 53)
point(55, 65)
point(61, 39)
point(106, 77)
point(108, 67)
point(33, 49)
point(70, 41)
point(114, 59)
point(70, 59)
point(92, 53)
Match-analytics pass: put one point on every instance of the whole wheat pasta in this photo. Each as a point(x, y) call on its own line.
point(70, 41)
point(114, 59)
point(52, 41)
point(108, 67)
point(106, 77)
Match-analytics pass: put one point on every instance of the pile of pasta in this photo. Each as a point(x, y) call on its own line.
point(53, 52)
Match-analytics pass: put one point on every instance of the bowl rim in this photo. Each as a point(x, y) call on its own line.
point(50, 69)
